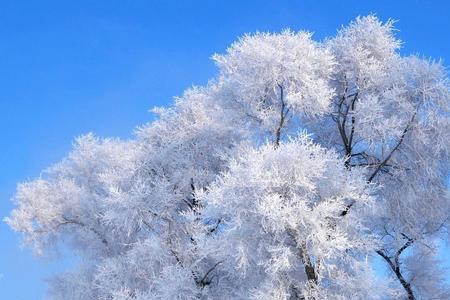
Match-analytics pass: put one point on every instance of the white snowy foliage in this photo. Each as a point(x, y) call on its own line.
point(391, 116)
point(280, 179)
point(278, 207)
point(265, 73)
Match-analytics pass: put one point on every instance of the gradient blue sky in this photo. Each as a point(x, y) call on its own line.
point(72, 67)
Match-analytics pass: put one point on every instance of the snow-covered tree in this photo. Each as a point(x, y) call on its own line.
point(283, 178)
point(390, 116)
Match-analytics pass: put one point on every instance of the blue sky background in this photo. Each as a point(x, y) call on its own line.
point(72, 67)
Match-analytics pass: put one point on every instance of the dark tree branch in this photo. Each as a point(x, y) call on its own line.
point(388, 157)
point(396, 269)
point(283, 113)
point(352, 131)
point(341, 127)
point(386, 258)
point(81, 224)
point(384, 162)
point(394, 264)
point(212, 230)
point(347, 139)
point(310, 270)
point(204, 281)
point(400, 251)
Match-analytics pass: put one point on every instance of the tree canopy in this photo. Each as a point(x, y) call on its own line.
point(282, 178)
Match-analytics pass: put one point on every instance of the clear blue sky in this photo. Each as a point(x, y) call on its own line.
point(72, 67)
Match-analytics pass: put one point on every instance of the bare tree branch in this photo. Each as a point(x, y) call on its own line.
point(283, 113)
point(388, 157)
point(79, 223)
